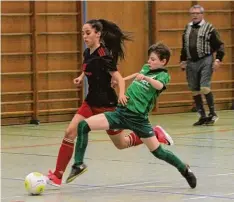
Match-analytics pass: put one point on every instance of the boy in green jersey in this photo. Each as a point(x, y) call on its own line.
point(142, 94)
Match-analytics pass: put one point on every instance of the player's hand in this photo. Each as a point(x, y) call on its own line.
point(123, 99)
point(216, 65)
point(140, 77)
point(183, 65)
point(77, 81)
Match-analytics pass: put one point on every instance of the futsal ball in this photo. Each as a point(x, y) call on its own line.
point(35, 183)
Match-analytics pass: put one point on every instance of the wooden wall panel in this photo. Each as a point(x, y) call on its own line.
point(175, 53)
point(170, 20)
point(56, 81)
point(177, 76)
point(57, 43)
point(228, 54)
point(39, 67)
point(222, 74)
point(136, 54)
point(57, 23)
point(16, 63)
point(24, 97)
point(56, 7)
point(21, 44)
point(16, 24)
point(219, 20)
point(215, 5)
point(173, 5)
point(15, 7)
point(16, 83)
point(130, 16)
point(171, 38)
point(52, 62)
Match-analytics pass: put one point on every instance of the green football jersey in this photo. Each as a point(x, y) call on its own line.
point(142, 95)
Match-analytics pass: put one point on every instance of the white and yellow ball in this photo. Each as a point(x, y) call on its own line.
point(35, 183)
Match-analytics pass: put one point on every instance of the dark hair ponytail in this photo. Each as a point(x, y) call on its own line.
point(112, 36)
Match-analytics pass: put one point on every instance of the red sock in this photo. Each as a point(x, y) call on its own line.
point(64, 156)
point(135, 140)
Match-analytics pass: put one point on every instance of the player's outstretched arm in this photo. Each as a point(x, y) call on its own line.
point(156, 84)
point(114, 82)
point(132, 76)
point(121, 83)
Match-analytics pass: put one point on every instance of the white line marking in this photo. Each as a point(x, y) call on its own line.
point(221, 174)
point(119, 185)
point(85, 188)
point(195, 198)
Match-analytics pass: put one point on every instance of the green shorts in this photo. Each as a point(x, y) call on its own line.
point(122, 118)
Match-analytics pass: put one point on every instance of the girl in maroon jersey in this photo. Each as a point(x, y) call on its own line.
point(105, 41)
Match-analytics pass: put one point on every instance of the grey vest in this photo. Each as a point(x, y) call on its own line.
point(203, 39)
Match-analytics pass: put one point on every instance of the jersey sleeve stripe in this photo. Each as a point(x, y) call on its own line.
point(101, 52)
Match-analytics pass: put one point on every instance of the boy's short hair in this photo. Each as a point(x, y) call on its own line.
point(162, 51)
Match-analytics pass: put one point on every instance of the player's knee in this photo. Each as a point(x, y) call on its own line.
point(205, 90)
point(118, 143)
point(195, 93)
point(70, 134)
point(83, 127)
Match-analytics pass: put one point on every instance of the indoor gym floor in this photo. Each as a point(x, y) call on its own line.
point(128, 175)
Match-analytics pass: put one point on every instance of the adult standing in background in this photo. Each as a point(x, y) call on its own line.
point(200, 42)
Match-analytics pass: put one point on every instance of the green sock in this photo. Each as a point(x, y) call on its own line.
point(82, 142)
point(169, 157)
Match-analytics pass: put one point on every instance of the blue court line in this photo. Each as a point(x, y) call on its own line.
point(41, 129)
point(176, 137)
point(107, 140)
point(184, 137)
point(122, 161)
point(203, 138)
point(206, 146)
point(182, 133)
point(39, 136)
point(27, 154)
point(123, 187)
point(161, 192)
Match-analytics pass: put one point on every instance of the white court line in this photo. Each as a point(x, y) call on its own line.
point(195, 198)
point(201, 197)
point(138, 183)
point(221, 174)
point(115, 186)
point(85, 188)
